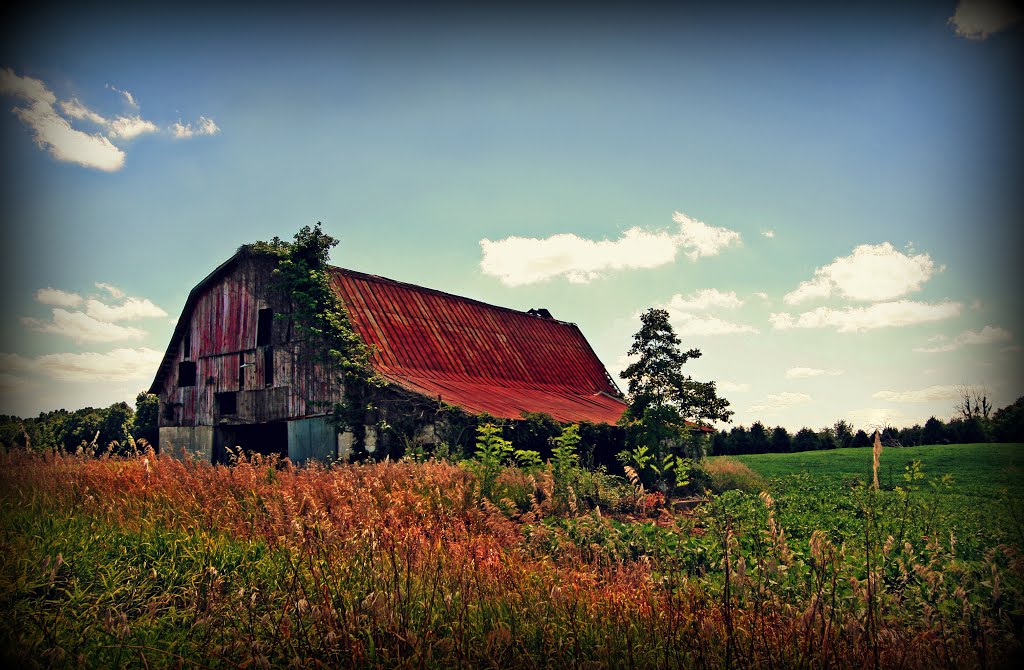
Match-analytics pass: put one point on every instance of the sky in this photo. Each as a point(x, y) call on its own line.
point(825, 198)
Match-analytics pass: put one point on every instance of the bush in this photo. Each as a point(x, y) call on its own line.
point(726, 474)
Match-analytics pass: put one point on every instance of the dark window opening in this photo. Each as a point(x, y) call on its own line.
point(241, 372)
point(268, 366)
point(227, 403)
point(186, 347)
point(264, 327)
point(187, 373)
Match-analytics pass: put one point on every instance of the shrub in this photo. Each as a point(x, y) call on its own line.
point(726, 474)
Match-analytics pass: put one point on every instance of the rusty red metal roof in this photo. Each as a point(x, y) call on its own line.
point(480, 357)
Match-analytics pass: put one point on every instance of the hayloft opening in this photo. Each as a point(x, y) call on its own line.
point(227, 403)
point(264, 326)
point(187, 373)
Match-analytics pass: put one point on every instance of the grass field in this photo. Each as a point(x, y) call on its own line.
point(149, 562)
point(981, 501)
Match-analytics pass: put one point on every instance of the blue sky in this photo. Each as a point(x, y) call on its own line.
point(826, 200)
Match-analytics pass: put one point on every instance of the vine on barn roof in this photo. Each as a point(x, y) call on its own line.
point(303, 275)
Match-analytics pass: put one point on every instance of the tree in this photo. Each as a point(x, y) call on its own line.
point(664, 403)
point(934, 432)
point(720, 445)
point(826, 439)
point(147, 410)
point(860, 440)
point(974, 403)
point(1008, 422)
point(739, 440)
point(780, 442)
point(758, 438)
point(843, 434)
point(805, 440)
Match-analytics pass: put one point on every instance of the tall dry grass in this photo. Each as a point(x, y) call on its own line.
point(151, 562)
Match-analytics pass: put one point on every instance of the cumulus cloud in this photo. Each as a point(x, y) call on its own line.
point(944, 392)
point(700, 239)
point(517, 261)
point(987, 335)
point(681, 310)
point(114, 292)
point(82, 328)
point(859, 319)
point(52, 132)
point(732, 387)
point(76, 110)
point(49, 120)
point(806, 373)
point(768, 233)
point(204, 126)
point(776, 402)
point(53, 296)
point(117, 365)
point(705, 298)
point(978, 19)
point(870, 273)
point(869, 419)
point(130, 309)
point(701, 325)
point(130, 127)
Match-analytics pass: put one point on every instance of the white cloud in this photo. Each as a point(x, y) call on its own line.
point(987, 335)
point(761, 294)
point(700, 239)
point(116, 365)
point(130, 127)
point(517, 261)
point(806, 373)
point(128, 97)
point(978, 19)
point(204, 126)
point(692, 324)
point(732, 387)
point(52, 132)
point(114, 292)
point(76, 110)
point(872, 272)
point(53, 296)
point(944, 392)
point(82, 327)
point(859, 319)
point(776, 402)
point(684, 322)
point(869, 419)
point(130, 309)
point(768, 233)
point(705, 298)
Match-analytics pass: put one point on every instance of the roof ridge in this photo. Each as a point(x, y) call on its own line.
point(427, 289)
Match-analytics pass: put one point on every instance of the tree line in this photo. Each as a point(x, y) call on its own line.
point(116, 429)
point(1003, 425)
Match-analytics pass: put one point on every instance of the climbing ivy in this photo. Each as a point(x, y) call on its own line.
point(302, 275)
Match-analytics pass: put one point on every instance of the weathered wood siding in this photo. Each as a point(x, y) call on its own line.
point(222, 332)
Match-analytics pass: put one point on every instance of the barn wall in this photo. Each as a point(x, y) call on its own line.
point(222, 332)
point(187, 441)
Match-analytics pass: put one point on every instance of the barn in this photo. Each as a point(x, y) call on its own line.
point(236, 374)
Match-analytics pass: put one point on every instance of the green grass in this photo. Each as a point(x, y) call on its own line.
point(982, 505)
point(981, 470)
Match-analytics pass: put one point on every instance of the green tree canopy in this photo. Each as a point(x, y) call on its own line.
point(663, 401)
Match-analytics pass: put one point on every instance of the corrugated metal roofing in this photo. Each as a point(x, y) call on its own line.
point(477, 356)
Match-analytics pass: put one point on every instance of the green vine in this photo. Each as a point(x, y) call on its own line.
point(302, 274)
